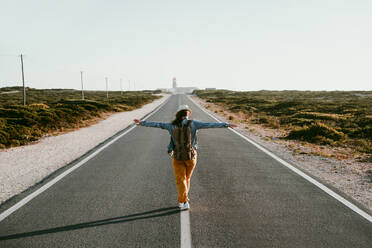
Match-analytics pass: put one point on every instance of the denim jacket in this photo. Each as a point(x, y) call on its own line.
point(194, 126)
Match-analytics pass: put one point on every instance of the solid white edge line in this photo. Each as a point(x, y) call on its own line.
point(37, 192)
point(299, 172)
point(185, 229)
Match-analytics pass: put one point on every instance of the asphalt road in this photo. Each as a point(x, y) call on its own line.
point(240, 197)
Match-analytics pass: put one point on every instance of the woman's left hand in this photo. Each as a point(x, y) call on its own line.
point(232, 125)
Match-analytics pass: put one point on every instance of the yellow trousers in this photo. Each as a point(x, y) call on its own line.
point(182, 173)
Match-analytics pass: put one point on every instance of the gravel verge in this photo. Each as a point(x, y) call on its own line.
point(23, 167)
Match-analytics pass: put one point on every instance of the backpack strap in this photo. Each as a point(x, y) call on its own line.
point(187, 132)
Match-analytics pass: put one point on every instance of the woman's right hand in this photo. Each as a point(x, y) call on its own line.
point(138, 122)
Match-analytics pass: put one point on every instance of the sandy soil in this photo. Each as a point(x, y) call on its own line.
point(333, 166)
point(22, 167)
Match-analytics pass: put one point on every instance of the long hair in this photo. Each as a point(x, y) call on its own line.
point(180, 115)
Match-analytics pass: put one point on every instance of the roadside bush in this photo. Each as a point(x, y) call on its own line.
point(365, 132)
point(316, 133)
point(273, 122)
point(284, 108)
point(363, 145)
point(235, 108)
point(4, 137)
point(48, 120)
point(2, 123)
point(318, 116)
point(263, 120)
point(25, 121)
point(365, 121)
point(300, 121)
point(37, 106)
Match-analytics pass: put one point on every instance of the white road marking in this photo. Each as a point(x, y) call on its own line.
point(185, 229)
point(37, 192)
point(299, 172)
point(185, 218)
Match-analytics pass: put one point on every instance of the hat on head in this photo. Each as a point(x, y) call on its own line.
point(183, 107)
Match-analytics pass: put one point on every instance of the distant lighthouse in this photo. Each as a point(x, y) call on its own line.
point(174, 83)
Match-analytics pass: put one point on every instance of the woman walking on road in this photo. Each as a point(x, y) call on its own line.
point(182, 147)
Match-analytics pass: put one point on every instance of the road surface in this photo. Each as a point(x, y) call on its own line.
point(125, 196)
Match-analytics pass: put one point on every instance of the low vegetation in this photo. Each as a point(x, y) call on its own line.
point(50, 111)
point(337, 118)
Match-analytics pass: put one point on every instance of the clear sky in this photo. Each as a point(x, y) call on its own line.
point(236, 44)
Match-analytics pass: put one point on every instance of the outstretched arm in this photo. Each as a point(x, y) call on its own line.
point(171, 145)
point(162, 125)
point(201, 124)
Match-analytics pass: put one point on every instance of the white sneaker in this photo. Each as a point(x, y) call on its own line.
point(180, 205)
point(186, 205)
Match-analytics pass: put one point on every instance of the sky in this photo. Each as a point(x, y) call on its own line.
point(236, 44)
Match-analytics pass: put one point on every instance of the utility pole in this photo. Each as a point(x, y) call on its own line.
point(82, 85)
point(106, 87)
point(121, 86)
point(129, 83)
point(23, 82)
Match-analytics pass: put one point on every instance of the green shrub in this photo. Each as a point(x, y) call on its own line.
point(316, 133)
point(362, 145)
point(263, 120)
point(365, 132)
point(235, 108)
point(301, 121)
point(4, 137)
point(90, 107)
point(318, 116)
point(37, 106)
point(2, 123)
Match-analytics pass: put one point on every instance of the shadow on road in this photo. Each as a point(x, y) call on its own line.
point(116, 220)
